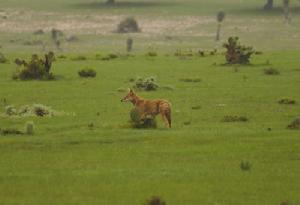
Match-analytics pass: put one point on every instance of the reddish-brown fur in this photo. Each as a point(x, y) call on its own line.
point(150, 107)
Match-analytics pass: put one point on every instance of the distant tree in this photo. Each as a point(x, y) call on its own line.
point(268, 5)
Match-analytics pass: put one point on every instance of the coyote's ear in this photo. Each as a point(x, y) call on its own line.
point(130, 90)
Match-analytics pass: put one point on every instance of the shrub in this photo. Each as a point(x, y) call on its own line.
point(36, 69)
point(79, 58)
point(30, 110)
point(151, 54)
point(10, 110)
point(287, 101)
point(128, 25)
point(237, 53)
point(110, 56)
point(87, 73)
point(295, 124)
point(39, 32)
point(233, 118)
point(138, 122)
point(3, 59)
point(10, 131)
point(29, 127)
point(147, 84)
point(129, 44)
point(271, 71)
point(155, 200)
point(190, 80)
point(245, 166)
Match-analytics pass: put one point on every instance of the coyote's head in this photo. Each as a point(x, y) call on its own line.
point(129, 97)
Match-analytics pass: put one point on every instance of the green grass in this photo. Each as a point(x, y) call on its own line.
point(198, 161)
point(66, 162)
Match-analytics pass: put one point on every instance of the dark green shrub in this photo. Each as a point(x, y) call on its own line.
point(287, 101)
point(128, 25)
point(87, 73)
point(295, 124)
point(30, 110)
point(190, 80)
point(79, 58)
point(237, 53)
point(36, 69)
point(155, 200)
point(147, 84)
point(10, 131)
point(151, 54)
point(234, 118)
point(3, 59)
point(245, 166)
point(271, 71)
point(138, 122)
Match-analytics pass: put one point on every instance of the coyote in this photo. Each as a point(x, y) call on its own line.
point(150, 107)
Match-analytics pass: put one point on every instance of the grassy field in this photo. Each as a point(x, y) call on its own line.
point(198, 161)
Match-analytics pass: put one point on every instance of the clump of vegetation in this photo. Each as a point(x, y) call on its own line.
point(29, 127)
point(56, 35)
point(147, 84)
point(30, 110)
point(72, 38)
point(234, 118)
point(295, 124)
point(129, 44)
point(3, 59)
point(190, 80)
point(87, 73)
point(155, 200)
point(35, 69)
point(271, 71)
point(220, 19)
point(62, 56)
point(110, 56)
point(128, 25)
point(196, 107)
point(287, 101)
point(10, 131)
point(245, 166)
point(237, 53)
point(39, 32)
point(79, 58)
point(138, 122)
point(151, 54)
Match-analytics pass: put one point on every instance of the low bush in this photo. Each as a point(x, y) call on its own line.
point(237, 53)
point(155, 200)
point(3, 59)
point(245, 166)
point(10, 131)
point(30, 110)
point(295, 124)
point(35, 69)
point(287, 101)
point(138, 122)
point(87, 73)
point(79, 58)
point(128, 25)
point(147, 84)
point(29, 127)
point(190, 80)
point(271, 71)
point(151, 54)
point(234, 118)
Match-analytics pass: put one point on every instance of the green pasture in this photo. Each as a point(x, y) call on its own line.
point(198, 160)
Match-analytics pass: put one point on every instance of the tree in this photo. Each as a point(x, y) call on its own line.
point(220, 19)
point(268, 5)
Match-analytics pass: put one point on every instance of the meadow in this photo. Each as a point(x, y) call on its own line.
point(89, 154)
